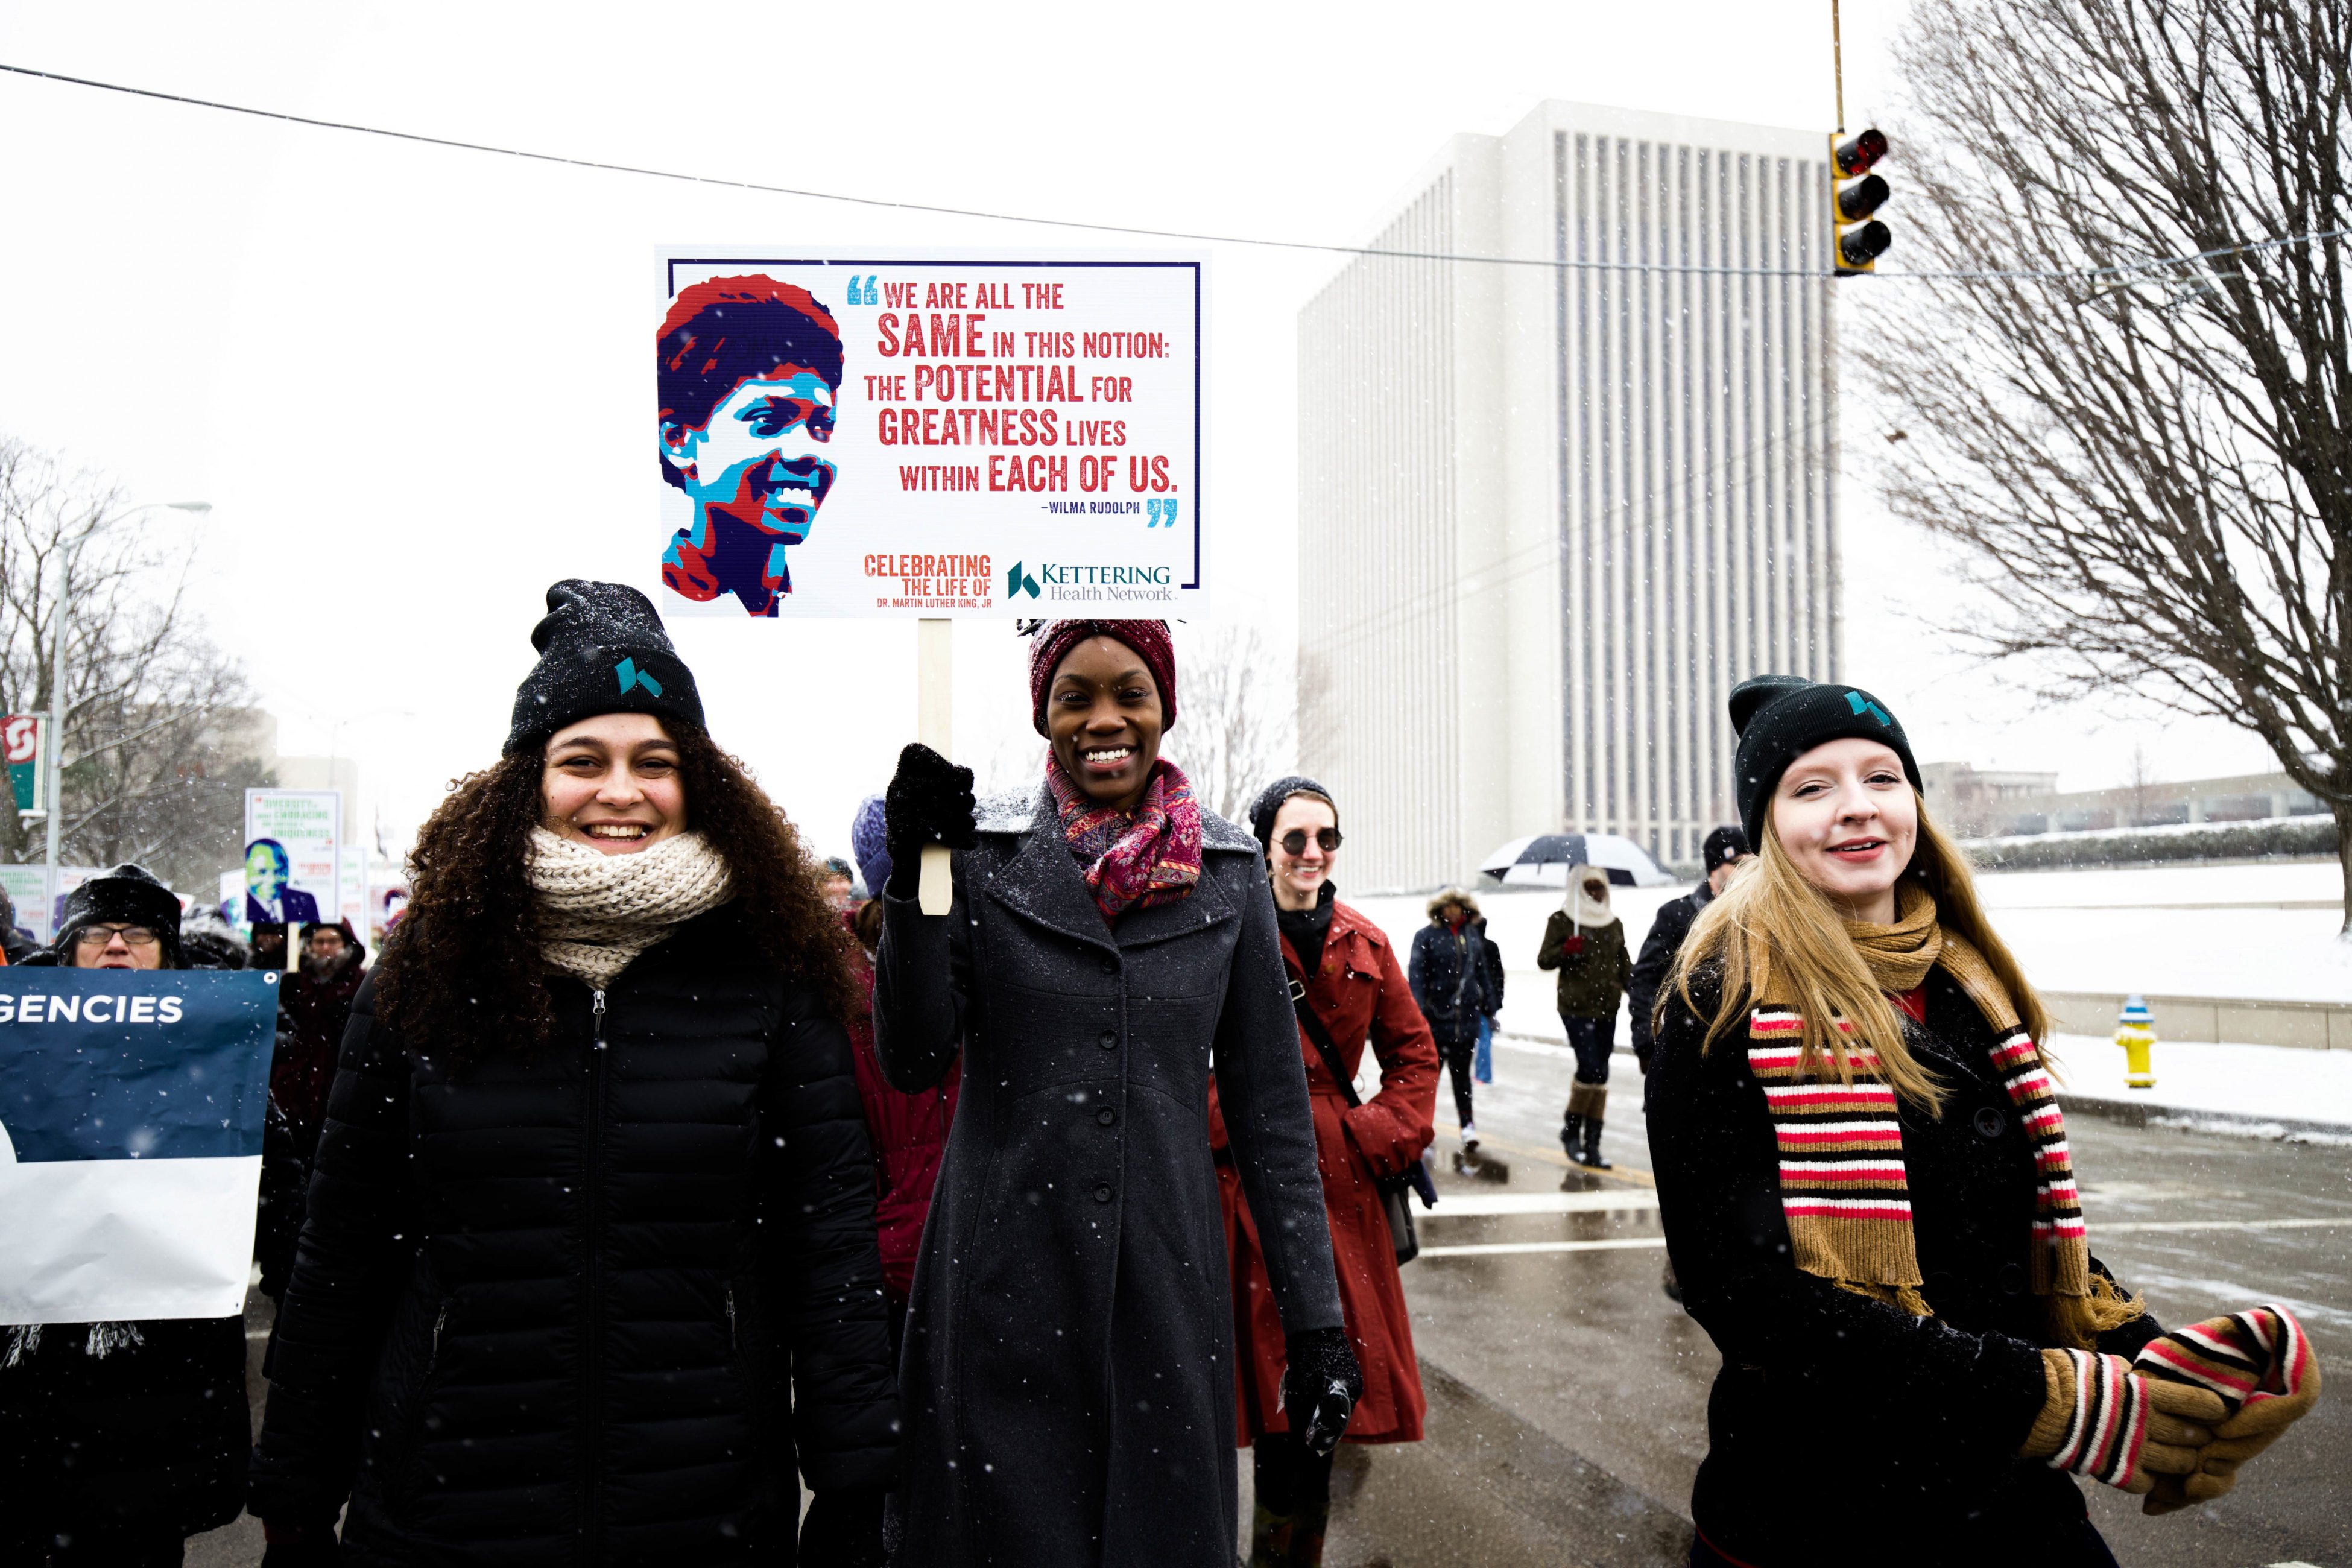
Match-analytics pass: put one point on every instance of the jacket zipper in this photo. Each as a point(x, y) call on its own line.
point(433, 1350)
point(592, 1301)
point(733, 1343)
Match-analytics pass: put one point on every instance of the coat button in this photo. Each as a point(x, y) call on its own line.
point(2011, 1276)
point(1105, 1116)
point(1102, 1191)
point(1989, 1122)
point(1110, 966)
point(1110, 1040)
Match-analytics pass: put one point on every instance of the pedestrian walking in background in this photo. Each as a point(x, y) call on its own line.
point(1347, 991)
point(1449, 975)
point(314, 1003)
point(838, 880)
point(1585, 941)
point(117, 1441)
point(909, 1131)
point(590, 1252)
point(1489, 1020)
point(1868, 1196)
point(1069, 1385)
point(1721, 856)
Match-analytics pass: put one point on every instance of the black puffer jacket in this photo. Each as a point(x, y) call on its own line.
point(579, 1306)
point(1842, 1429)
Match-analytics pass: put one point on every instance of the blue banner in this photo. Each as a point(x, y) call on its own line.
point(131, 1113)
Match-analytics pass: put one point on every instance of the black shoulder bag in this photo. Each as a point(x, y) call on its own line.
point(1394, 1189)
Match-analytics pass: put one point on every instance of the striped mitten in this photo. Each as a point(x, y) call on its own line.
point(2260, 1365)
point(2101, 1419)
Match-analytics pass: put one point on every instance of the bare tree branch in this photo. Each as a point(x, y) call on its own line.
point(2153, 480)
point(155, 767)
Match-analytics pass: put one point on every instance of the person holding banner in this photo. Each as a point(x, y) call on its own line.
point(589, 1252)
point(1068, 1371)
point(117, 1441)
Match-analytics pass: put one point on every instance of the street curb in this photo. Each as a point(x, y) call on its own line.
point(2187, 1119)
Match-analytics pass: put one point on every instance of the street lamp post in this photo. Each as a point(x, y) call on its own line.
point(55, 760)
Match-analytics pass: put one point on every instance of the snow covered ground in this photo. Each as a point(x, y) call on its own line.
point(2278, 1082)
point(2075, 931)
point(2180, 931)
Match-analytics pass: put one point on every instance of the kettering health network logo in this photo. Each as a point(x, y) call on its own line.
point(1018, 582)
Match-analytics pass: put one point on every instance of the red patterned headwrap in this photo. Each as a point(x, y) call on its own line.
point(1149, 640)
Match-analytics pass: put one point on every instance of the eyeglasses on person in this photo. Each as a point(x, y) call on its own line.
point(98, 936)
point(1295, 841)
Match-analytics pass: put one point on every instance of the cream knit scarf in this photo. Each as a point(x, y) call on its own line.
point(597, 911)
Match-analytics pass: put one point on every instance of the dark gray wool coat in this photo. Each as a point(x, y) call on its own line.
point(1069, 1375)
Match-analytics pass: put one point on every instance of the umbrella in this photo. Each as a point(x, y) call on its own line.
point(1542, 860)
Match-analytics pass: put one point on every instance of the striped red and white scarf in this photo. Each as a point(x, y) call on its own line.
point(2248, 1358)
point(1843, 1188)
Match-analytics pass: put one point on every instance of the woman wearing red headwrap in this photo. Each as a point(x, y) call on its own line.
point(1069, 1363)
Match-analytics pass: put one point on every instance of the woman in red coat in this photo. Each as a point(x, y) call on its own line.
point(1357, 988)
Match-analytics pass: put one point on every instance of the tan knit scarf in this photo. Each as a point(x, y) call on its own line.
point(597, 911)
point(1843, 1188)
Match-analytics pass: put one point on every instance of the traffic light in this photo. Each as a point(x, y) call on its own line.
point(1857, 238)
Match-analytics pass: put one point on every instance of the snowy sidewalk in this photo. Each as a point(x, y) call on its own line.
point(2273, 1091)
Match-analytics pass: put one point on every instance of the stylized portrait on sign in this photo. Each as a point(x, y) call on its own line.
point(750, 371)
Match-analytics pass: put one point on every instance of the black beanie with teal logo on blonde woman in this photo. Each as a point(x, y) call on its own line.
point(1780, 718)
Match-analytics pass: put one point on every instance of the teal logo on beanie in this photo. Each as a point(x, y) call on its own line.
point(1854, 700)
point(632, 678)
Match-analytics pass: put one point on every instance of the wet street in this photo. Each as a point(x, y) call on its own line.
point(1568, 1395)
point(1567, 1410)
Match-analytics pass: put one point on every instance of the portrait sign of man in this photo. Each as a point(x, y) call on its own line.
point(266, 895)
point(750, 373)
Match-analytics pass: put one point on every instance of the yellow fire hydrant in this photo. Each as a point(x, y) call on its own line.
point(2135, 1032)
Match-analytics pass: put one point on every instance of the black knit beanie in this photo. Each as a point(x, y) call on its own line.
point(1780, 718)
point(602, 649)
point(1723, 847)
point(128, 895)
point(1268, 806)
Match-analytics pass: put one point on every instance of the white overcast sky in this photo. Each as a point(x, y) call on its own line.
point(413, 382)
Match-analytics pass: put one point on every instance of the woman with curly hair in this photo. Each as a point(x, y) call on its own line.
point(590, 1252)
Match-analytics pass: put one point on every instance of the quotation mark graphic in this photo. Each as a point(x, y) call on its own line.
point(865, 292)
point(1158, 510)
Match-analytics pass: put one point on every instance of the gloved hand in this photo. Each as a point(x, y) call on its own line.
point(842, 1528)
point(1320, 1387)
point(2091, 1421)
point(2262, 1367)
point(299, 1545)
point(930, 801)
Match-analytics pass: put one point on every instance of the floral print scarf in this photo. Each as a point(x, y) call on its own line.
point(1133, 860)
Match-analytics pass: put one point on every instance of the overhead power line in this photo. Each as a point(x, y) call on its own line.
point(2072, 274)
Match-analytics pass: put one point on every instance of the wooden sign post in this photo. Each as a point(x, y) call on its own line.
point(935, 727)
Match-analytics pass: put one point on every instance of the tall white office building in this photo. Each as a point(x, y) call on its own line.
point(1551, 509)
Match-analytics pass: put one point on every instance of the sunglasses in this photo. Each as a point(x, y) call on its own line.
point(1295, 841)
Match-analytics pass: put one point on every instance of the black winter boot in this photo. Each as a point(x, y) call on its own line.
point(1590, 1159)
point(1572, 1130)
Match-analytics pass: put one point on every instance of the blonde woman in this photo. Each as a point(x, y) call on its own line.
point(1868, 1194)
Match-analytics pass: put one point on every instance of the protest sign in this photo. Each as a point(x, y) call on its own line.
point(921, 435)
point(130, 1111)
point(20, 743)
point(293, 870)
